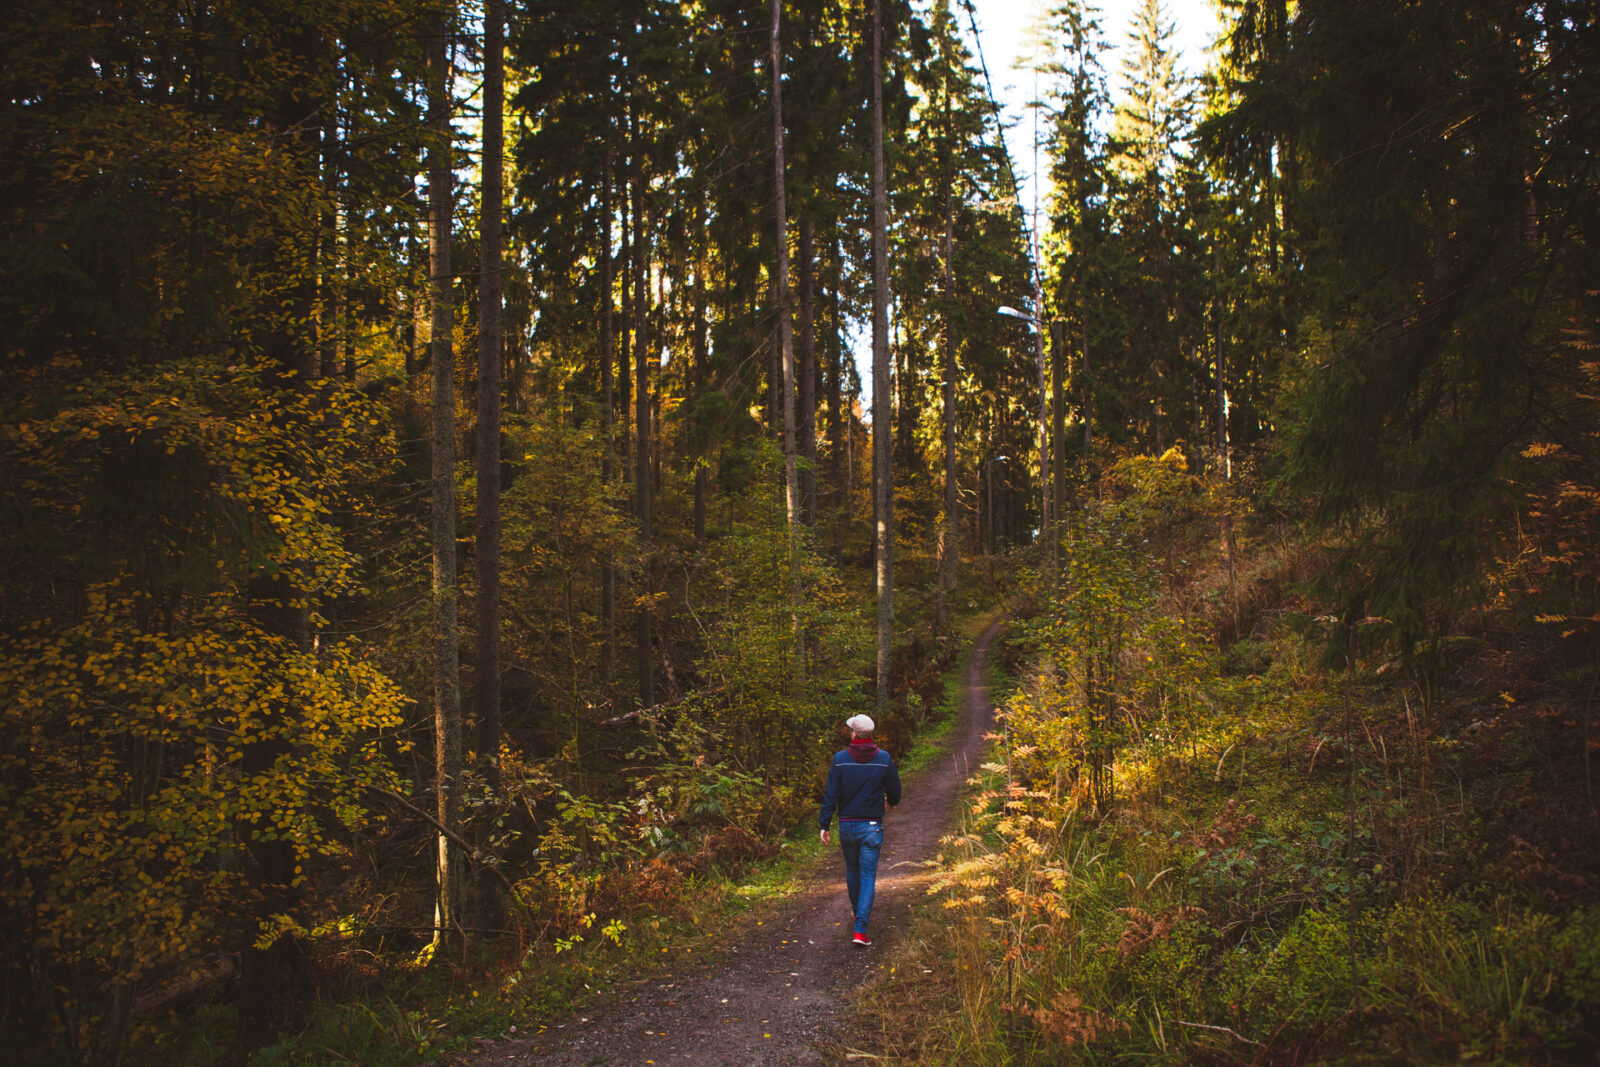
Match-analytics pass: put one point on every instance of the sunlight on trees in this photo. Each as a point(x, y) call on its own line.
point(1302, 689)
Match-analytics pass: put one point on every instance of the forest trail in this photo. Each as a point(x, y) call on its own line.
point(781, 989)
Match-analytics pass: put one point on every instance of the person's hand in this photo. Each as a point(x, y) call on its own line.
point(824, 835)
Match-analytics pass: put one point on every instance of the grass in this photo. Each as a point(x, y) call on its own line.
point(401, 1016)
point(916, 999)
point(1220, 913)
point(945, 713)
point(709, 906)
point(393, 1015)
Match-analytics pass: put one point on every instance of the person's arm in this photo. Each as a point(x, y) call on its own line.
point(830, 800)
point(891, 784)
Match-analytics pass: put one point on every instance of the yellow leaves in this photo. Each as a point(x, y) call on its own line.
point(1580, 339)
point(136, 766)
point(1053, 906)
point(1582, 494)
point(1069, 1022)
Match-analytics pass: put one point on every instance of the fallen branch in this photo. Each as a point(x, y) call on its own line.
point(181, 989)
point(1222, 1030)
point(629, 716)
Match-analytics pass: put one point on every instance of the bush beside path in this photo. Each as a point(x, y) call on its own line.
point(781, 989)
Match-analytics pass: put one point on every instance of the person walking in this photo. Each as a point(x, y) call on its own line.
point(863, 777)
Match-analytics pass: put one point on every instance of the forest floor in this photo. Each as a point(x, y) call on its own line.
point(780, 992)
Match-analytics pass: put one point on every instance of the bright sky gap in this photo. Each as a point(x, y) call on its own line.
point(1011, 38)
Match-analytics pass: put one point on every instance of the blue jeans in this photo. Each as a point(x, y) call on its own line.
point(861, 842)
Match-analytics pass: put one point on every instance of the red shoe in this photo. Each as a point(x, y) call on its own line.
point(863, 941)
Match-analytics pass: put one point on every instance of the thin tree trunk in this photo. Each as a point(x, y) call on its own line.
point(950, 530)
point(905, 402)
point(850, 460)
point(446, 657)
point(837, 419)
point(625, 337)
point(641, 352)
point(791, 475)
point(416, 311)
point(1058, 417)
point(983, 527)
point(608, 570)
point(1223, 451)
point(882, 419)
point(792, 503)
point(273, 979)
point(1006, 510)
point(698, 371)
point(775, 362)
point(486, 532)
point(950, 535)
point(1087, 400)
point(516, 357)
point(333, 346)
point(808, 371)
point(661, 303)
point(1039, 326)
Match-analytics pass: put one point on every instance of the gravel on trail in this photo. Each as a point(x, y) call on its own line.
point(780, 991)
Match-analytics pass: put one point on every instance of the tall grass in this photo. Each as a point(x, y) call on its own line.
point(1183, 851)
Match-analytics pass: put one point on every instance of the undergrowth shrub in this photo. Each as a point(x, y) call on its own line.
point(714, 777)
point(1193, 854)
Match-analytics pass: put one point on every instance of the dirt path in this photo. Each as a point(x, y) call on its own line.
point(782, 988)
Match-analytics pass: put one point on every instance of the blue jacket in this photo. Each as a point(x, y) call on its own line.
point(862, 777)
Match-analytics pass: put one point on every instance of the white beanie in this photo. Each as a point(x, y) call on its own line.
point(860, 724)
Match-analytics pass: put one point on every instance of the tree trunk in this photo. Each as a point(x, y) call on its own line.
point(905, 400)
point(416, 309)
point(1058, 416)
point(332, 265)
point(486, 532)
point(775, 361)
point(641, 353)
point(446, 657)
point(1224, 453)
point(1087, 400)
point(950, 534)
point(791, 474)
point(273, 980)
point(625, 338)
point(838, 418)
point(1046, 489)
point(882, 420)
point(608, 570)
point(697, 349)
point(983, 527)
point(808, 371)
point(950, 530)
